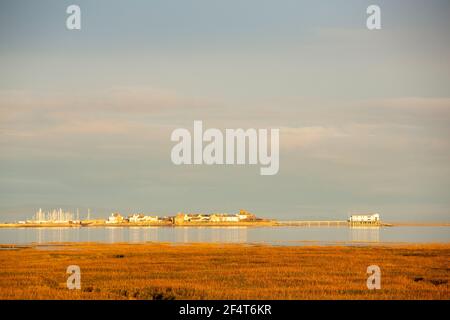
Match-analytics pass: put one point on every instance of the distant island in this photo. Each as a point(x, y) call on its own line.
point(61, 218)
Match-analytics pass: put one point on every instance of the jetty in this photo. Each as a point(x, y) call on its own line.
point(313, 223)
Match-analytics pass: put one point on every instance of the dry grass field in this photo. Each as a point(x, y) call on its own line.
point(212, 271)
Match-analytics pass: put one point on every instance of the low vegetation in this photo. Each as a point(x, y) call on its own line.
point(213, 271)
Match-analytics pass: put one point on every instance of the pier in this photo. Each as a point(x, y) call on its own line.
point(313, 223)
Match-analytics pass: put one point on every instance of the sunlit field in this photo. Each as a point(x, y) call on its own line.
point(213, 271)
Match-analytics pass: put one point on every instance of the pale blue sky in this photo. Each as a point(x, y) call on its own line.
point(86, 116)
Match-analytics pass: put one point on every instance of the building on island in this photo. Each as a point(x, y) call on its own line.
point(221, 217)
point(115, 218)
point(365, 219)
point(242, 216)
point(141, 218)
point(196, 217)
point(59, 216)
point(245, 215)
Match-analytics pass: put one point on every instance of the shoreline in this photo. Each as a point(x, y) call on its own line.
point(227, 224)
point(291, 244)
point(127, 225)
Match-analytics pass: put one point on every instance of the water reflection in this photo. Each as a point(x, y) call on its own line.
point(210, 234)
point(43, 235)
point(365, 234)
point(115, 234)
point(134, 235)
point(235, 234)
point(270, 235)
point(149, 234)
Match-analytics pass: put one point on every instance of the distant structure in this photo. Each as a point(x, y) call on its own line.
point(141, 218)
point(243, 215)
point(53, 216)
point(364, 219)
point(59, 216)
point(115, 218)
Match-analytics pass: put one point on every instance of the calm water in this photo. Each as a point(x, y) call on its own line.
point(269, 235)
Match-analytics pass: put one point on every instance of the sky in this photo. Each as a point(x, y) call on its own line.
point(86, 115)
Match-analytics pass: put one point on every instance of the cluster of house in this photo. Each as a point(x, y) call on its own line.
point(116, 218)
point(243, 215)
point(180, 218)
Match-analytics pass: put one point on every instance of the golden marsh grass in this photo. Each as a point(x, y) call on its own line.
point(213, 271)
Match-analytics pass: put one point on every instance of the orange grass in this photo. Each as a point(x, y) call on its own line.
point(212, 271)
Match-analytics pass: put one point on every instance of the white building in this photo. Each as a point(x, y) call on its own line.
point(136, 218)
point(231, 218)
point(114, 218)
point(245, 215)
point(364, 218)
point(218, 217)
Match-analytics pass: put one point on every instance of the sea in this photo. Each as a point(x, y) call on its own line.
point(279, 235)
